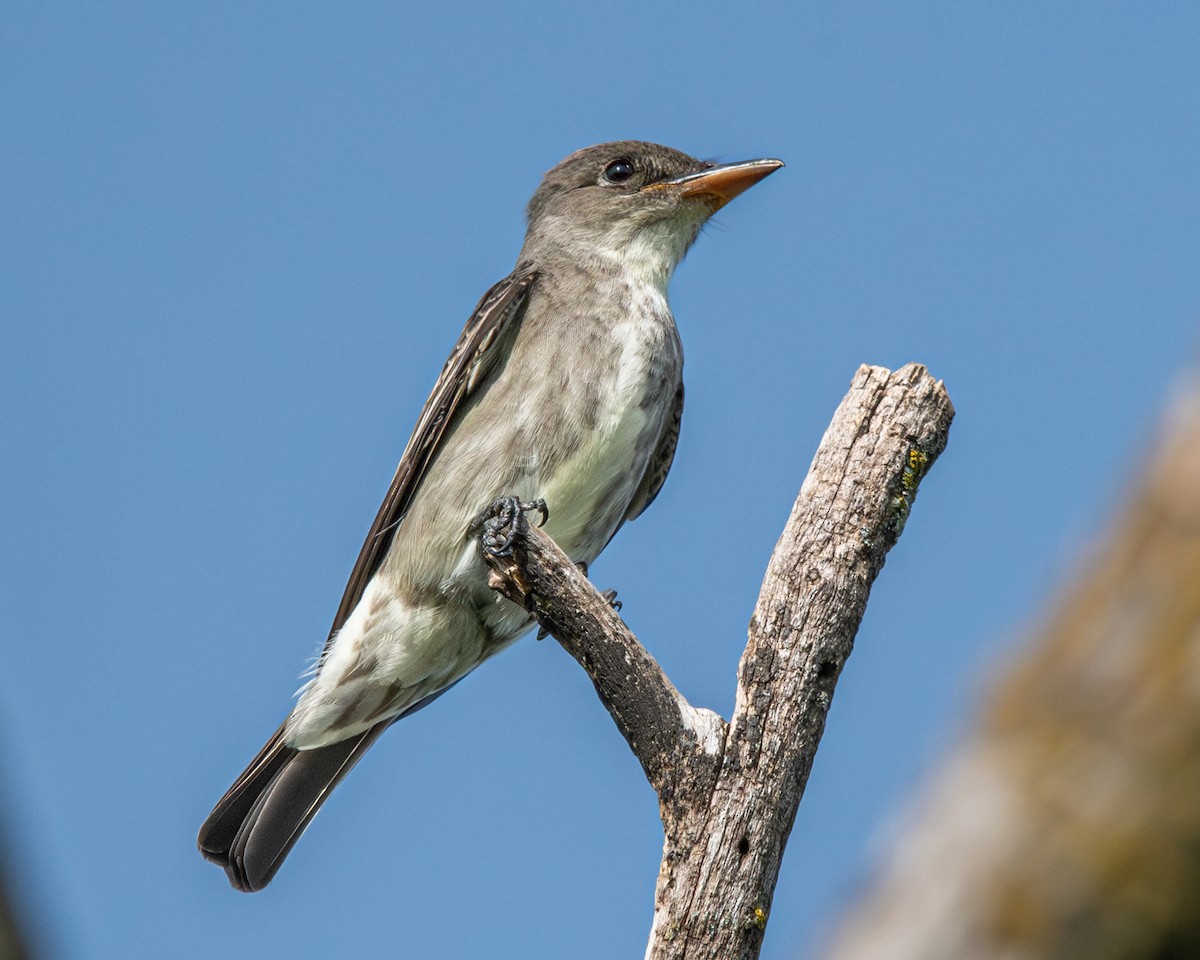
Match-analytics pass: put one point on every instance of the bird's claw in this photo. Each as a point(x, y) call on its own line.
point(609, 595)
point(500, 523)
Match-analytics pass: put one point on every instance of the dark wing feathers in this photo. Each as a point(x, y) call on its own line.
point(260, 818)
point(660, 462)
point(468, 363)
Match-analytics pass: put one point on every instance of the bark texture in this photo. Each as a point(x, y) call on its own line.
point(728, 792)
point(1067, 825)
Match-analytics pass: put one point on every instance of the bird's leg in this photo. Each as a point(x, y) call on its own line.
point(499, 522)
point(609, 595)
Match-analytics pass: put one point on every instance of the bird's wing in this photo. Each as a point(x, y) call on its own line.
point(660, 462)
point(473, 356)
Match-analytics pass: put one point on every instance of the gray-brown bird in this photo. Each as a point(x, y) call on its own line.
point(566, 385)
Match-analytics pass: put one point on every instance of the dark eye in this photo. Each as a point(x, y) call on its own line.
point(619, 171)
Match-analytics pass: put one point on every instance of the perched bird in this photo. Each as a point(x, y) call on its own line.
point(566, 385)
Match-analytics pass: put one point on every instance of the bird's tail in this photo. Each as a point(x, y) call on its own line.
point(258, 821)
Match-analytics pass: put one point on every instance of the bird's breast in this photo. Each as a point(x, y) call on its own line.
point(614, 406)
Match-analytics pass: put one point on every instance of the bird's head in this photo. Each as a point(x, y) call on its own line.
point(639, 201)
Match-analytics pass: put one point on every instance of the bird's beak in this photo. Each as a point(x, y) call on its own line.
point(720, 184)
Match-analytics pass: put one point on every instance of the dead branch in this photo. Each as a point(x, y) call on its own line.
point(728, 793)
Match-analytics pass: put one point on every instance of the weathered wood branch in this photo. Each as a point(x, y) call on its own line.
point(729, 793)
point(664, 731)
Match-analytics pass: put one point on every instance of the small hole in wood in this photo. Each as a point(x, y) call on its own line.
point(743, 846)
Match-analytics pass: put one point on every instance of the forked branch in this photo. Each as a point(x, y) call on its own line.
point(729, 792)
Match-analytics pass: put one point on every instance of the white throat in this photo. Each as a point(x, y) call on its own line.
point(649, 253)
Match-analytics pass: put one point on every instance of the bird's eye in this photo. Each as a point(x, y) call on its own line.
point(619, 171)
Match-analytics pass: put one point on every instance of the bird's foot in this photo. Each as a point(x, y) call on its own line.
point(500, 522)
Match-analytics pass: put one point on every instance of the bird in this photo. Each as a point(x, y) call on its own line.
point(564, 387)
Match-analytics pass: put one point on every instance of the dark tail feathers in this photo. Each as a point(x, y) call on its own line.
point(255, 825)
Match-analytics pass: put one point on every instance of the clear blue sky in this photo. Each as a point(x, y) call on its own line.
point(239, 241)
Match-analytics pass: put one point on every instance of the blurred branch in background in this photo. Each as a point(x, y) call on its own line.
point(24, 907)
point(1067, 825)
point(14, 944)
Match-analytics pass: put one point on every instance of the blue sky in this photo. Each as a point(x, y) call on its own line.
point(239, 242)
